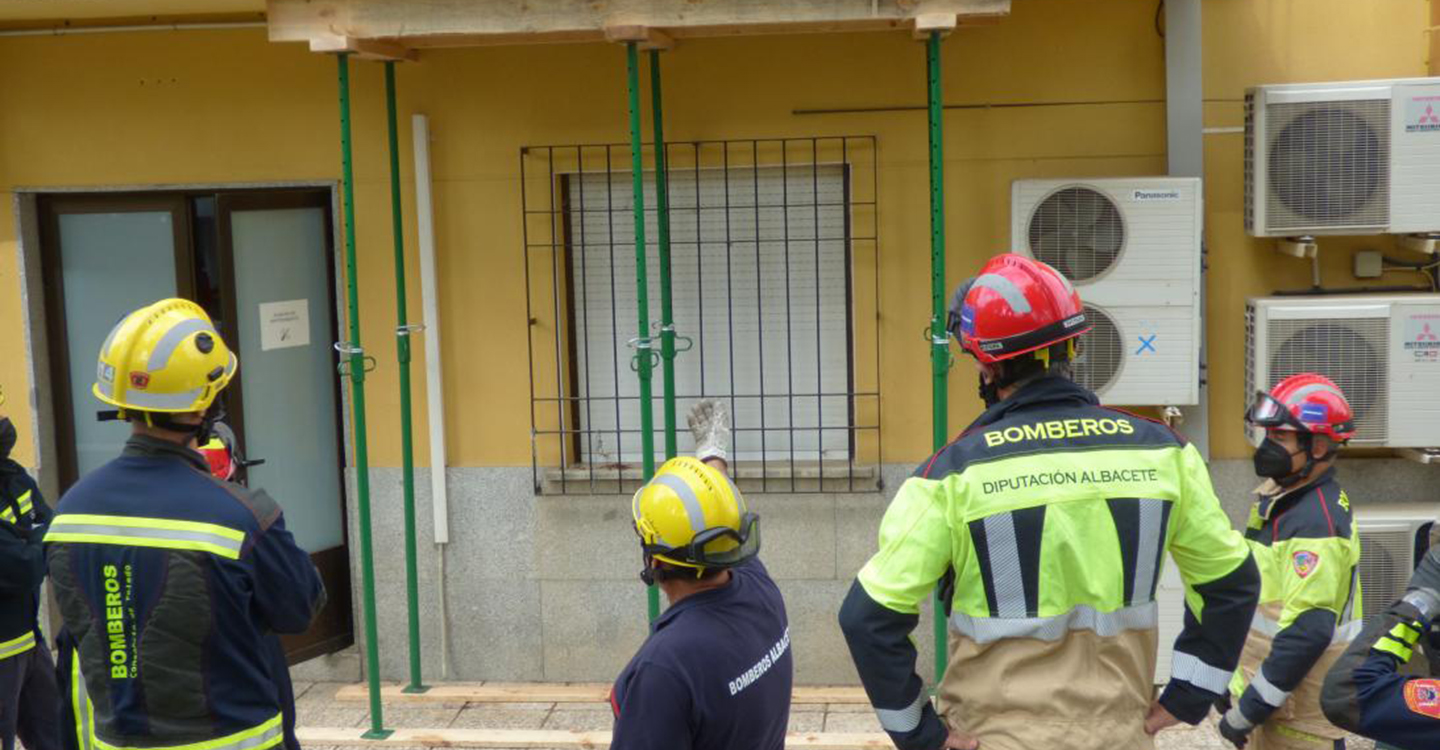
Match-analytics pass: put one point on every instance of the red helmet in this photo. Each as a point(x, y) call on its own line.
point(1306, 402)
point(1016, 305)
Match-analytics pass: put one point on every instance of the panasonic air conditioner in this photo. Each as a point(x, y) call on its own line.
point(1355, 157)
point(1393, 539)
point(1382, 350)
point(1131, 247)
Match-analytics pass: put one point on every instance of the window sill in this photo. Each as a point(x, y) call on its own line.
point(777, 477)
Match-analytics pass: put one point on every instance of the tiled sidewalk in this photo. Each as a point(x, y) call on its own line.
point(317, 707)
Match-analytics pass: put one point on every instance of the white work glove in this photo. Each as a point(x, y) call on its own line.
point(710, 424)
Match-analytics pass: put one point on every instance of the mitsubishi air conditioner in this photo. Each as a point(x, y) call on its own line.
point(1356, 157)
point(1131, 247)
point(1382, 350)
point(1393, 539)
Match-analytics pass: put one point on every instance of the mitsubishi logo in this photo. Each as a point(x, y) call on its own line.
point(1427, 334)
point(1429, 118)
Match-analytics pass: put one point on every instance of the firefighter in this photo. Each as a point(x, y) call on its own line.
point(1047, 521)
point(28, 698)
point(1365, 692)
point(716, 671)
point(171, 582)
point(1308, 550)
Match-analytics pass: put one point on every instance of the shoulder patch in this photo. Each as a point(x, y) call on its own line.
point(1305, 562)
point(256, 501)
point(1423, 697)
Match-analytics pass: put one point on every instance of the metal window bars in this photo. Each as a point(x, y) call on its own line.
point(775, 285)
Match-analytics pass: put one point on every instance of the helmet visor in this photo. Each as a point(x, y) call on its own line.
point(746, 544)
point(1265, 413)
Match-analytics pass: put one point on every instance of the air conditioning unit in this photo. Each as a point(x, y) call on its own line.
point(1356, 157)
point(1382, 350)
point(1393, 538)
point(1131, 247)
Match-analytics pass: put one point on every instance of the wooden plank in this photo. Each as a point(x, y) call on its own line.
point(552, 738)
point(365, 49)
point(929, 23)
point(649, 38)
point(461, 692)
point(463, 22)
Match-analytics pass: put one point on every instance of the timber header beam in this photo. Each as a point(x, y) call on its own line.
point(464, 23)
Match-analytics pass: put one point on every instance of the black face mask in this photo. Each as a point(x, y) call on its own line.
point(989, 392)
point(8, 436)
point(1273, 462)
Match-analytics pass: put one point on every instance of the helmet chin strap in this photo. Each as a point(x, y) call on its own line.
point(1307, 443)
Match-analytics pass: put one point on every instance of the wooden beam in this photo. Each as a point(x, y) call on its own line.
point(426, 23)
point(649, 38)
point(365, 49)
point(552, 739)
point(460, 692)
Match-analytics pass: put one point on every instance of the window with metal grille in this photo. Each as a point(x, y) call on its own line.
point(772, 246)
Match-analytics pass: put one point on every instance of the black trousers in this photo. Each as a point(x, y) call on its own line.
point(29, 700)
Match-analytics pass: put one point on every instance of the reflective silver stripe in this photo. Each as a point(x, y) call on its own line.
point(17, 646)
point(1147, 552)
point(984, 630)
point(110, 337)
point(1005, 565)
point(901, 720)
point(687, 498)
point(1238, 719)
point(1005, 288)
point(1300, 393)
point(1273, 696)
point(271, 736)
point(1270, 628)
point(65, 530)
point(145, 400)
point(1188, 668)
point(160, 355)
point(80, 703)
point(26, 505)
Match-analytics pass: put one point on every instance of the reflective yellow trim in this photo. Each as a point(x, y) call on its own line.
point(1403, 632)
point(1394, 648)
point(17, 646)
point(26, 505)
point(80, 704)
point(131, 531)
point(266, 735)
point(149, 523)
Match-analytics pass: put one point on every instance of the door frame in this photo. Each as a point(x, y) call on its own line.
point(49, 208)
point(333, 563)
point(36, 218)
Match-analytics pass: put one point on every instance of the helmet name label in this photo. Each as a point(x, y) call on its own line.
point(1058, 429)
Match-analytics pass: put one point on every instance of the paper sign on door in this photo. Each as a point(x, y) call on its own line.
point(284, 324)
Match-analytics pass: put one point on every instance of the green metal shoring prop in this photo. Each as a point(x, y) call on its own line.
point(402, 350)
point(662, 223)
point(643, 349)
point(356, 371)
point(939, 338)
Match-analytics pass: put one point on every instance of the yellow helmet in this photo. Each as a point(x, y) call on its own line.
point(693, 516)
point(166, 357)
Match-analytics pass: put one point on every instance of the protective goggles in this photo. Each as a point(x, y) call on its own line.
point(1268, 414)
point(747, 545)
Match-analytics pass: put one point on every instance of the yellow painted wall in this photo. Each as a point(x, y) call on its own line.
point(226, 106)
